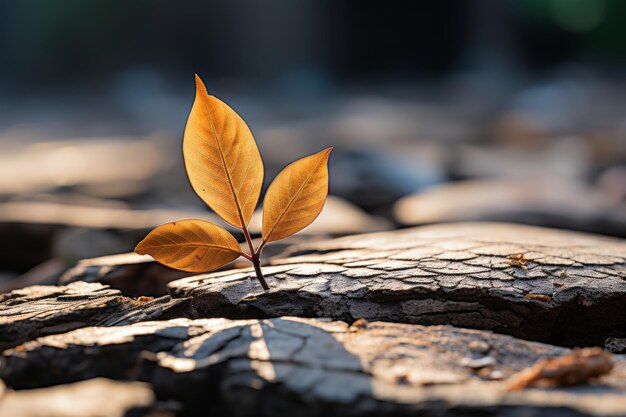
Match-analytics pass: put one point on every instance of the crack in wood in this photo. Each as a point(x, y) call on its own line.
point(312, 367)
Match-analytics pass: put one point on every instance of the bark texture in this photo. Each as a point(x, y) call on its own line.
point(548, 285)
point(269, 353)
point(314, 367)
point(134, 275)
point(41, 310)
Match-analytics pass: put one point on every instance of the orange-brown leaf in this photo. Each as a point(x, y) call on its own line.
point(296, 197)
point(222, 160)
point(190, 245)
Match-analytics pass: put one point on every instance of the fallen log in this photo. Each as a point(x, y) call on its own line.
point(541, 284)
point(134, 275)
point(35, 311)
point(315, 367)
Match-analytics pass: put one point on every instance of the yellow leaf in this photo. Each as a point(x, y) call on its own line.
point(222, 160)
point(296, 196)
point(190, 245)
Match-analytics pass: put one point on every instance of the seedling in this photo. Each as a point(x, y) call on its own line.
point(226, 171)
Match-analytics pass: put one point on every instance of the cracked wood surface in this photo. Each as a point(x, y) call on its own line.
point(35, 311)
point(93, 398)
point(541, 284)
point(313, 367)
point(134, 275)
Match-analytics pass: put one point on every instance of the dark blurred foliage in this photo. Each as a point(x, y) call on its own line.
point(57, 42)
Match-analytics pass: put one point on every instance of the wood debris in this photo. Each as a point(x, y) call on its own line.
point(576, 368)
point(539, 297)
point(518, 260)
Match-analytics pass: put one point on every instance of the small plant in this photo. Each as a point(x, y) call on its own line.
point(226, 171)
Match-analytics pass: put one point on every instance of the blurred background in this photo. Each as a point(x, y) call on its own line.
point(439, 111)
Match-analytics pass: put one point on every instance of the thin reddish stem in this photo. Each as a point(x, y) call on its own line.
point(260, 249)
point(255, 258)
point(249, 240)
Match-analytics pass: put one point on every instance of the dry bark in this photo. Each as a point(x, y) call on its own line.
point(312, 367)
point(134, 275)
point(94, 398)
point(540, 284)
point(533, 283)
point(41, 310)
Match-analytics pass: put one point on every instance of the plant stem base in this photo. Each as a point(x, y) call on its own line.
point(259, 274)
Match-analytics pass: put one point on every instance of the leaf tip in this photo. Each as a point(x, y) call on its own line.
point(199, 84)
point(325, 153)
point(139, 249)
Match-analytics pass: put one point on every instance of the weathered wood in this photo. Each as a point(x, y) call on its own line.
point(134, 275)
point(35, 311)
point(547, 202)
point(93, 398)
point(540, 284)
point(312, 367)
